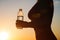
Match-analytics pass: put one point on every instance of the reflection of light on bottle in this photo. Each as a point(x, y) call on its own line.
point(20, 15)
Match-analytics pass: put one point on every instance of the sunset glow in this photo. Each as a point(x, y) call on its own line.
point(3, 35)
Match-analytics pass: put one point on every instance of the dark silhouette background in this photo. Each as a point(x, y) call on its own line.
point(41, 16)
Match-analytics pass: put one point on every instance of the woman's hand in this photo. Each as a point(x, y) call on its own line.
point(21, 24)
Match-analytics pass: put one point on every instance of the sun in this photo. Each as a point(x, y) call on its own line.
point(3, 35)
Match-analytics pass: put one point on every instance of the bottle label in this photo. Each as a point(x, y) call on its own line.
point(20, 18)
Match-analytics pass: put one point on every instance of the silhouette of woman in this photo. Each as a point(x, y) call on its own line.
point(41, 16)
